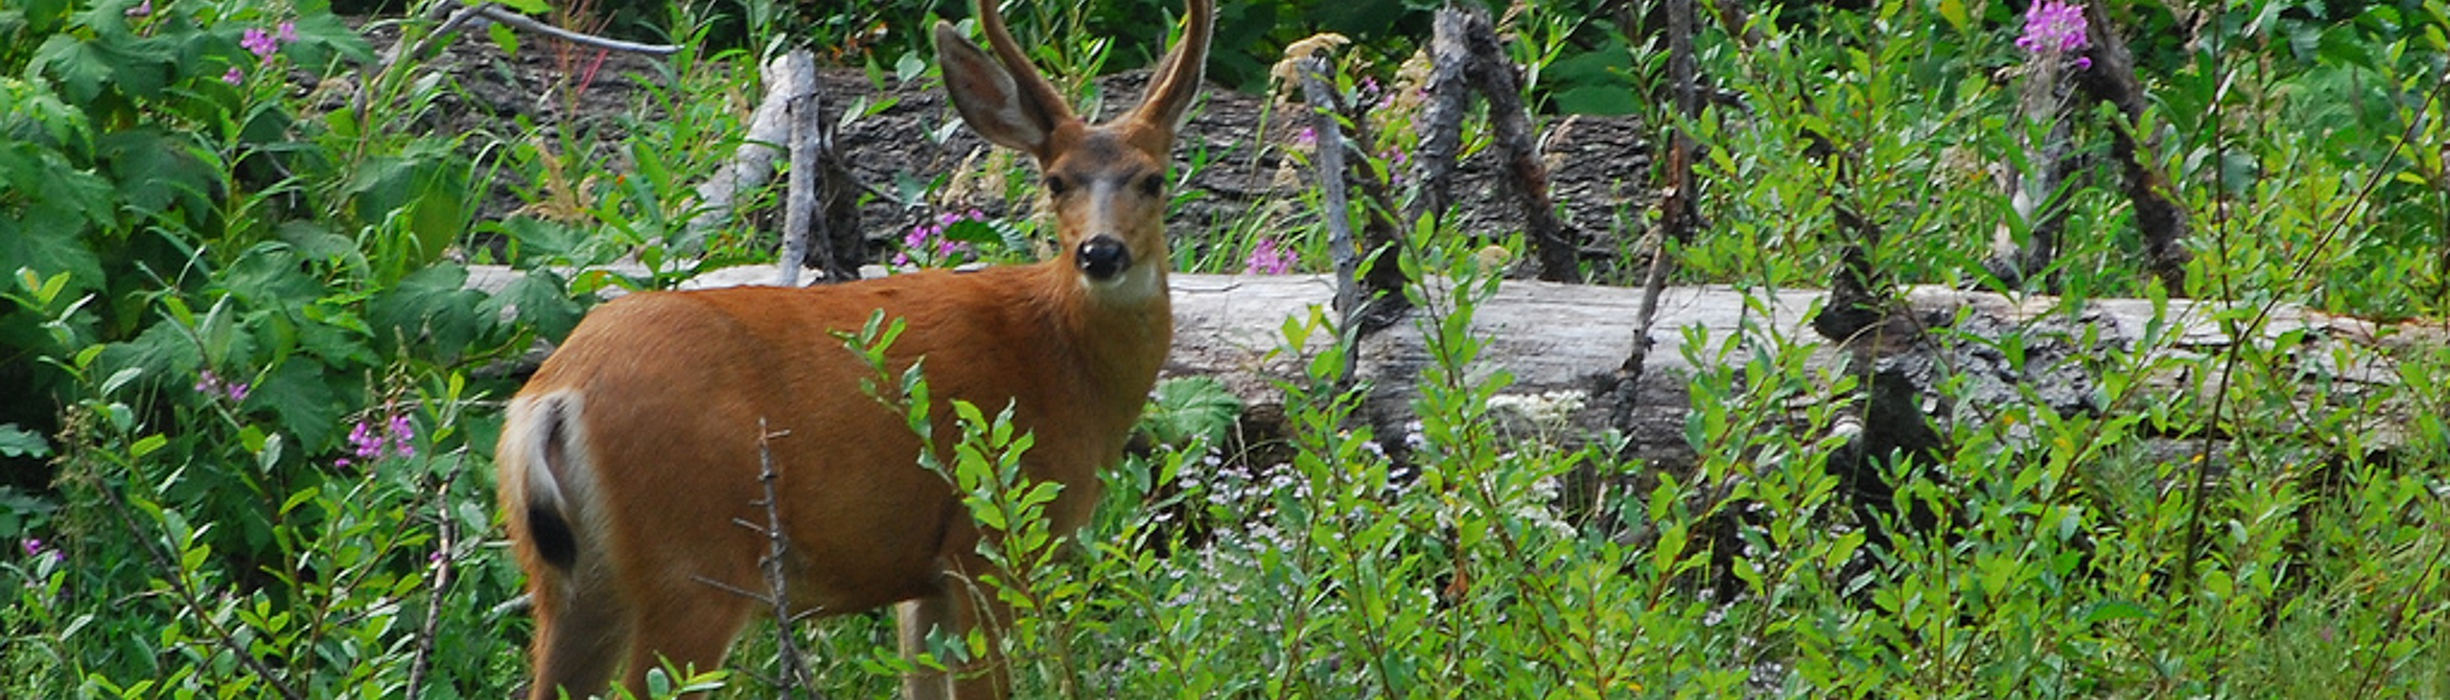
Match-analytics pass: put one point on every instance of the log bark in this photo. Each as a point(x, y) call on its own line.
point(1565, 341)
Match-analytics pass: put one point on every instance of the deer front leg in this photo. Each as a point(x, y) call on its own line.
point(915, 618)
point(959, 605)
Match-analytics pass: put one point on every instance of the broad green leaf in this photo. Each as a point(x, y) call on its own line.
point(303, 396)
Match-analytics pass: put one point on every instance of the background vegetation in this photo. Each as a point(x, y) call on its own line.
point(250, 398)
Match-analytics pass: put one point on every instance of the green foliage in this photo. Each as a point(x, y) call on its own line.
point(252, 388)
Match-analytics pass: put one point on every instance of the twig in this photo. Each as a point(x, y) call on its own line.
point(393, 57)
point(527, 24)
point(1680, 218)
point(446, 539)
point(795, 672)
point(1382, 283)
point(466, 12)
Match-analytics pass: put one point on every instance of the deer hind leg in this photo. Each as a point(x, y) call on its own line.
point(956, 608)
point(691, 635)
point(577, 643)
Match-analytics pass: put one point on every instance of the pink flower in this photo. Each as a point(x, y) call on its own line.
point(234, 77)
point(141, 10)
point(1268, 258)
point(208, 383)
point(400, 432)
point(364, 443)
point(32, 546)
point(929, 241)
point(259, 42)
point(287, 32)
point(396, 437)
point(2052, 26)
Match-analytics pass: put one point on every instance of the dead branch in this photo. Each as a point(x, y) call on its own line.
point(1680, 216)
point(1329, 162)
point(795, 672)
point(807, 141)
point(1440, 128)
point(1517, 145)
point(2158, 216)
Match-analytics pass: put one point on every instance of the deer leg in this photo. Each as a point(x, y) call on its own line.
point(575, 646)
point(690, 635)
point(915, 619)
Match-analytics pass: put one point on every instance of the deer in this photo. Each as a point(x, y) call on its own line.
point(629, 460)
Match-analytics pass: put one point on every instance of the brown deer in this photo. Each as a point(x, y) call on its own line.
point(627, 460)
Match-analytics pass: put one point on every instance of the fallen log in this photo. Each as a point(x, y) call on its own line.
point(1564, 342)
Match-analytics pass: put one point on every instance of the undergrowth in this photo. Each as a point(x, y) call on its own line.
point(252, 390)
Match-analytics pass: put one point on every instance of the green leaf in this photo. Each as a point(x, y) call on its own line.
point(157, 171)
point(536, 299)
point(304, 399)
point(503, 37)
point(314, 240)
point(321, 35)
point(78, 65)
point(49, 250)
point(20, 442)
point(431, 308)
point(160, 353)
point(528, 7)
point(270, 276)
point(2111, 610)
point(147, 445)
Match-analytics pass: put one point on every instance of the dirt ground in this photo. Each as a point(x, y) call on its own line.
point(1599, 164)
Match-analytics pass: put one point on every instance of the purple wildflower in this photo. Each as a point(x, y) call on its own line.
point(930, 242)
point(213, 385)
point(141, 10)
point(287, 32)
point(1268, 258)
point(234, 77)
point(2053, 27)
point(364, 443)
point(1309, 136)
point(32, 546)
point(259, 42)
point(401, 432)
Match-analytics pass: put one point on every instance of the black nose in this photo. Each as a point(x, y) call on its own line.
point(1104, 257)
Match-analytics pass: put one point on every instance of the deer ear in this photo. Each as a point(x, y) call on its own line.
point(988, 98)
point(1176, 83)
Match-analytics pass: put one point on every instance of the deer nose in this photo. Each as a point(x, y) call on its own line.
point(1104, 257)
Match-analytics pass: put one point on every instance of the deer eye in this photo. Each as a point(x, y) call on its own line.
point(1056, 186)
point(1152, 185)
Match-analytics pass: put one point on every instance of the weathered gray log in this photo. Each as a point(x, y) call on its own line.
point(1564, 342)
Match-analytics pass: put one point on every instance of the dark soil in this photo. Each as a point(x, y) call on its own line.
point(1600, 164)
